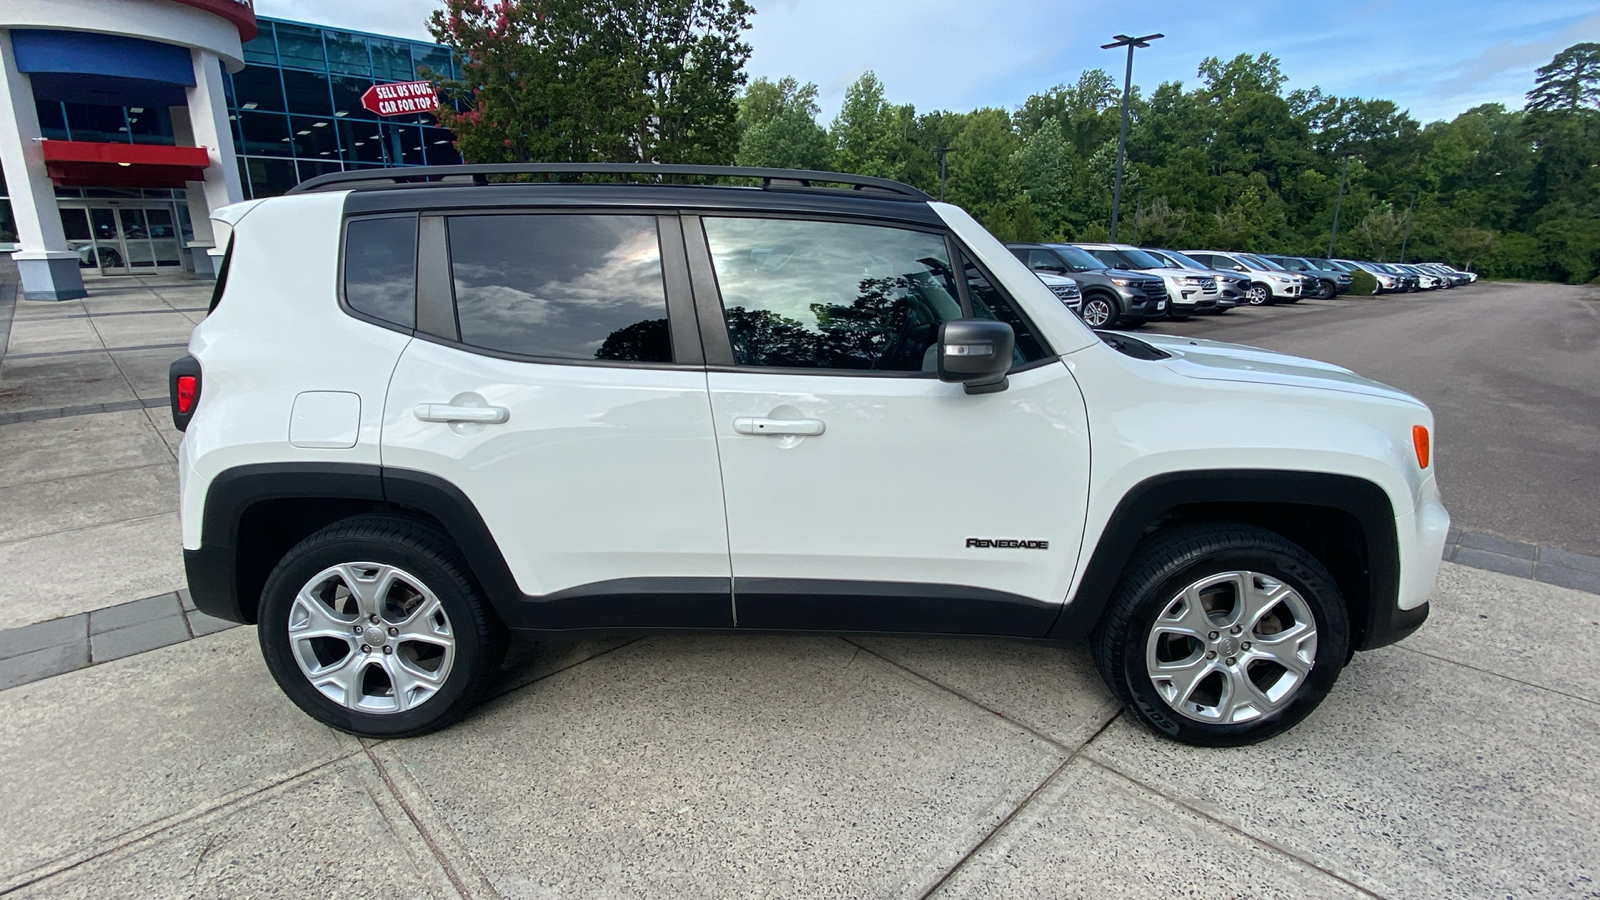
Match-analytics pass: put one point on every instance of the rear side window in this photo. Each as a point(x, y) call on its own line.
point(575, 287)
point(380, 268)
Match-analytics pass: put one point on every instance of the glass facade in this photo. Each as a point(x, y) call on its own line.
point(295, 108)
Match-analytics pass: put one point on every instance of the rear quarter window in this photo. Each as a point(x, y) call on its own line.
point(380, 268)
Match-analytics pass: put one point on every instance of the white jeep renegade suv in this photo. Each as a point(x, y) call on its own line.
point(429, 408)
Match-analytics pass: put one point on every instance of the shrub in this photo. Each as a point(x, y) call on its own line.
point(1362, 284)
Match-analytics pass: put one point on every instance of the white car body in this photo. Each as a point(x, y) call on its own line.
point(1282, 284)
point(1066, 289)
point(597, 480)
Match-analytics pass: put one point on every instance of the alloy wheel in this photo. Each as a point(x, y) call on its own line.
point(1231, 647)
point(371, 637)
point(1097, 311)
point(1257, 295)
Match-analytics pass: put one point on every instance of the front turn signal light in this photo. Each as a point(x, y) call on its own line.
point(1419, 439)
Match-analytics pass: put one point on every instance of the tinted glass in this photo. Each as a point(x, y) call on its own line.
point(347, 52)
point(1044, 259)
point(380, 268)
point(1265, 263)
point(832, 295)
point(988, 302)
point(1077, 260)
point(300, 46)
point(567, 287)
point(1183, 260)
point(307, 93)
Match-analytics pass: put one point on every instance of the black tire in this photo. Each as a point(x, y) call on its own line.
point(1162, 568)
point(1096, 306)
point(1258, 295)
point(420, 552)
point(1327, 290)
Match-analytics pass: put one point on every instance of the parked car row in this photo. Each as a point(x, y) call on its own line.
point(1112, 285)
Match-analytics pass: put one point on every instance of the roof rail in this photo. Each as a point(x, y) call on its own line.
point(478, 174)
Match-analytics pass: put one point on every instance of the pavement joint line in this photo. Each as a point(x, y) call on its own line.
point(1493, 674)
point(508, 691)
point(96, 525)
point(121, 312)
point(42, 355)
point(1265, 843)
point(89, 474)
point(1007, 819)
point(90, 409)
point(428, 839)
point(1034, 732)
point(140, 833)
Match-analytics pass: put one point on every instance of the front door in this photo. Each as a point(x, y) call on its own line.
point(862, 492)
point(558, 398)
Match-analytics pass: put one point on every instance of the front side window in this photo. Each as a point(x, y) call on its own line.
point(380, 268)
point(832, 295)
point(578, 287)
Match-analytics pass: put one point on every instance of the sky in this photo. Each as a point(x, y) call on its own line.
point(1436, 58)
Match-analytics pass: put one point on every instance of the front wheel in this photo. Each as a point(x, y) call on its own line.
point(375, 626)
point(1327, 290)
point(1099, 312)
point(1258, 295)
point(1222, 634)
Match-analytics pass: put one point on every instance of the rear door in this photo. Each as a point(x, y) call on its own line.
point(862, 492)
point(557, 382)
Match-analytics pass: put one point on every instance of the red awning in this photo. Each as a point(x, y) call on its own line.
point(91, 164)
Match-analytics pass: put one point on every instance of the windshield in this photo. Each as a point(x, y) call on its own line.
point(1183, 261)
point(1126, 259)
point(1077, 260)
point(1166, 261)
point(1266, 264)
point(1328, 264)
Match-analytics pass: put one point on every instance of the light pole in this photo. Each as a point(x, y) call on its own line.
point(942, 151)
point(1123, 40)
point(1338, 200)
point(1409, 213)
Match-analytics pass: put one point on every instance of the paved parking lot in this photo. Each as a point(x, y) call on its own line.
point(1459, 763)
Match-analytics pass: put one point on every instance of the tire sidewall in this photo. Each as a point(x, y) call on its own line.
point(1321, 596)
point(305, 562)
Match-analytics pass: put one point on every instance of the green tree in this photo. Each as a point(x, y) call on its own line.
point(870, 135)
point(1570, 82)
point(595, 80)
point(779, 126)
point(980, 163)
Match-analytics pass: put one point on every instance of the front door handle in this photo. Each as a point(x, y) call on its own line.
point(446, 412)
point(764, 425)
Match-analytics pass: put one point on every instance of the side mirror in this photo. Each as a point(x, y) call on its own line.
point(976, 353)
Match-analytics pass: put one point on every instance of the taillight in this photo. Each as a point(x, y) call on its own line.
point(188, 386)
point(183, 384)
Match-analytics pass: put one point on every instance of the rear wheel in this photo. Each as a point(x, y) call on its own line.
point(375, 626)
point(1222, 634)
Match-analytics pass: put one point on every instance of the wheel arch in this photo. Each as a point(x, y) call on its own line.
point(1346, 522)
point(254, 514)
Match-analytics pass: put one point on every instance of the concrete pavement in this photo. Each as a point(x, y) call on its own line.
point(812, 767)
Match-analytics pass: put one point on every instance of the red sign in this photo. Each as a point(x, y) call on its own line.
point(242, 13)
point(403, 98)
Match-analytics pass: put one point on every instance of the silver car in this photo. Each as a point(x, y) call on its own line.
point(1065, 289)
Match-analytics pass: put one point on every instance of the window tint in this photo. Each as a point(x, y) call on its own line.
point(566, 287)
point(380, 268)
point(832, 295)
point(989, 303)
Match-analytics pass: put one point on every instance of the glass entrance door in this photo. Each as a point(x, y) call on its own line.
point(126, 239)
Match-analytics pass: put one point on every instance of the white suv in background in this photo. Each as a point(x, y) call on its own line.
point(1269, 284)
point(429, 409)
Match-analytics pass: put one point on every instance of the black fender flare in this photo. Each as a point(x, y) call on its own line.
point(1152, 499)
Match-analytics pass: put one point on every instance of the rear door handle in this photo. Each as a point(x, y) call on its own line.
point(445, 412)
point(763, 425)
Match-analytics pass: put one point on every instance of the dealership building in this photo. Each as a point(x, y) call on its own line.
point(123, 123)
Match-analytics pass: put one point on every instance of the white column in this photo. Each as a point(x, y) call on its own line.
point(48, 269)
point(208, 122)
